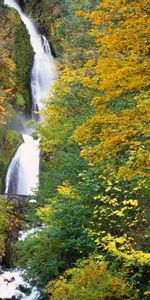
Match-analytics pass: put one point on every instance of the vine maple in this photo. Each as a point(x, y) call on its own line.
point(119, 72)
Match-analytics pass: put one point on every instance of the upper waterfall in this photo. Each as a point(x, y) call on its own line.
point(44, 71)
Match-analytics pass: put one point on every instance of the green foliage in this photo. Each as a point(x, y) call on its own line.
point(119, 205)
point(4, 224)
point(23, 59)
point(62, 165)
point(90, 281)
point(57, 246)
point(70, 31)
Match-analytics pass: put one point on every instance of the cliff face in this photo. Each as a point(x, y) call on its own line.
point(46, 15)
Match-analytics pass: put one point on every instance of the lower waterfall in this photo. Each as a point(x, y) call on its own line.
point(23, 172)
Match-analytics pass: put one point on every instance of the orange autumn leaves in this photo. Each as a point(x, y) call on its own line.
point(121, 60)
point(119, 72)
point(7, 68)
point(7, 85)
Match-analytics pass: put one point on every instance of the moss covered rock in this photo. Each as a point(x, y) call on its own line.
point(9, 142)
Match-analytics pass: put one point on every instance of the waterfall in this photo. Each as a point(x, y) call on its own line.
point(23, 171)
point(22, 175)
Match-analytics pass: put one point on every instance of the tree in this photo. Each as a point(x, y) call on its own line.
point(119, 73)
point(115, 140)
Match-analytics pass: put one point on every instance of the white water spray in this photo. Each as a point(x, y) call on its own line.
point(14, 286)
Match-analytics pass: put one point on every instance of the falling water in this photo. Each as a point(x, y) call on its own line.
point(22, 175)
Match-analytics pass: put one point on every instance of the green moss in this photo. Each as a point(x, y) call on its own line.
point(9, 142)
point(23, 59)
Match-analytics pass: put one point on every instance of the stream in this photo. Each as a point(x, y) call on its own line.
point(13, 286)
point(23, 172)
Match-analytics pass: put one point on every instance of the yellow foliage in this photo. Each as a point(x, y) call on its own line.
point(119, 71)
point(5, 223)
point(126, 253)
point(7, 68)
point(45, 213)
point(91, 280)
point(2, 246)
point(65, 189)
point(131, 202)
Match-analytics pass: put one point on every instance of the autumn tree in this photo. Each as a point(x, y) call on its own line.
point(115, 140)
point(119, 73)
